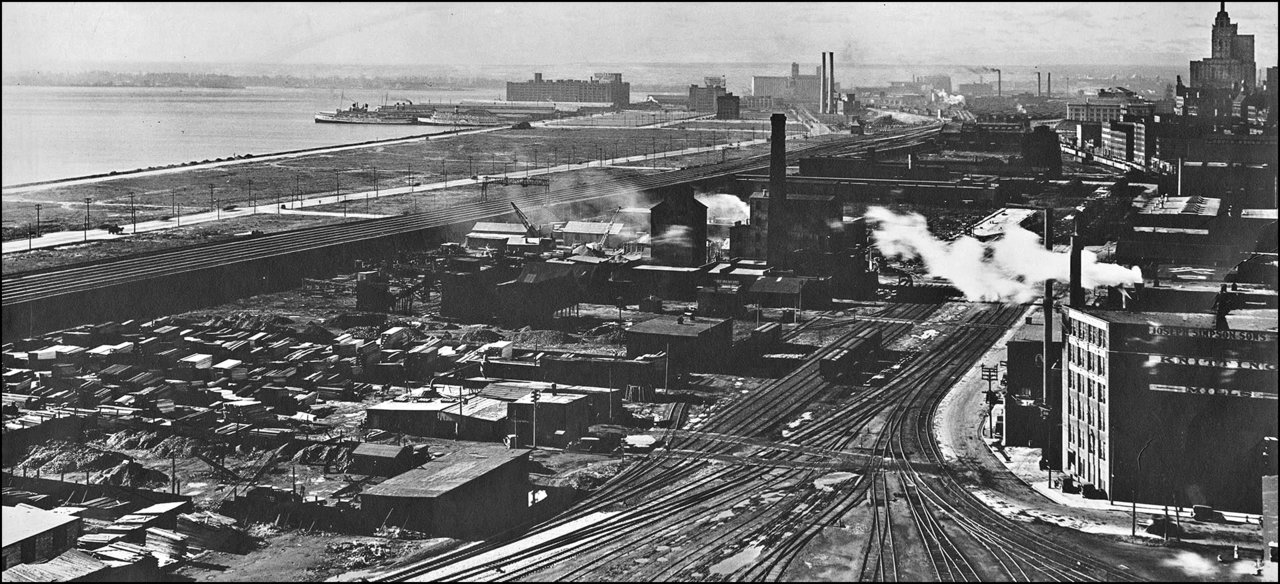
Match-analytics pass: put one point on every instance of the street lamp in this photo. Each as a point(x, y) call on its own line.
point(1133, 531)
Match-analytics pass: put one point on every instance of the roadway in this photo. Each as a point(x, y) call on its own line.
point(28, 287)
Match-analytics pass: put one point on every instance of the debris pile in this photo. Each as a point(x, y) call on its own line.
point(132, 474)
point(58, 457)
point(360, 554)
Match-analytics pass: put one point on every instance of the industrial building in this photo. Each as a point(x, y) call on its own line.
point(690, 343)
point(703, 99)
point(466, 494)
point(34, 535)
point(1169, 408)
point(679, 228)
point(601, 88)
point(797, 88)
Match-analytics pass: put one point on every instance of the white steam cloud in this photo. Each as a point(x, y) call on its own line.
point(724, 208)
point(675, 235)
point(1009, 270)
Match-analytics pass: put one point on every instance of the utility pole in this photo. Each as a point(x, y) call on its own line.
point(211, 203)
point(336, 189)
point(37, 227)
point(535, 417)
point(133, 210)
point(252, 202)
point(87, 200)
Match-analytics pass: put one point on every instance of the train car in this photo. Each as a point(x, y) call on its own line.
point(835, 364)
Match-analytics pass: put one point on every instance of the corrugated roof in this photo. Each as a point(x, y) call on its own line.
point(447, 473)
point(21, 523)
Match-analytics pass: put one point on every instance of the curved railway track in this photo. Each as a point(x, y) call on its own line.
point(25, 287)
point(673, 517)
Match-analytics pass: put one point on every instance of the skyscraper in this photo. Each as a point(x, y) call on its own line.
point(1231, 65)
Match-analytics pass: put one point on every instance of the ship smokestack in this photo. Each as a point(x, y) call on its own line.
point(1048, 310)
point(777, 222)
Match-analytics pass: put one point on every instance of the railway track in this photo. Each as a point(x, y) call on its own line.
point(26, 287)
point(672, 518)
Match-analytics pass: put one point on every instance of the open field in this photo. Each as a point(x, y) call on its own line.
point(345, 171)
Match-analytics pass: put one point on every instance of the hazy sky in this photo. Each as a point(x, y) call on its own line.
point(42, 35)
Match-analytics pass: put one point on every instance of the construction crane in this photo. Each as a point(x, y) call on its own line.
point(607, 228)
point(530, 230)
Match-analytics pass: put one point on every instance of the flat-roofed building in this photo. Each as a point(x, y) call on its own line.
point(34, 535)
point(1169, 408)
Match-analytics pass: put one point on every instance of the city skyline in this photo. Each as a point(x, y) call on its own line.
point(54, 36)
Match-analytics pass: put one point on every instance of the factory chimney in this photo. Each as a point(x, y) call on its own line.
point(1048, 89)
point(1038, 86)
point(1048, 309)
point(831, 91)
point(776, 237)
point(999, 84)
point(1077, 249)
point(822, 86)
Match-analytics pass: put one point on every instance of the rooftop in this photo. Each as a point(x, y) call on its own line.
point(447, 473)
point(592, 227)
point(21, 523)
point(777, 285)
point(667, 325)
point(1000, 221)
point(493, 227)
point(1182, 206)
point(378, 450)
point(1240, 320)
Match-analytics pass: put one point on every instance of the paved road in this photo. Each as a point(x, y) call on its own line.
point(70, 237)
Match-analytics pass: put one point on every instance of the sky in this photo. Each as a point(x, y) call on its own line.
point(49, 36)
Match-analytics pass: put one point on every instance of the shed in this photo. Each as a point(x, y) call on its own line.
point(33, 535)
point(556, 412)
point(381, 459)
point(466, 495)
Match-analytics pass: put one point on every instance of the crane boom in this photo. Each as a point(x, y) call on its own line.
point(607, 228)
point(530, 230)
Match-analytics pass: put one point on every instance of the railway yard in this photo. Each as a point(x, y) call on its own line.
point(309, 396)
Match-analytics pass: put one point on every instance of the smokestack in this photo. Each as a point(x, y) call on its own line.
point(1048, 309)
point(1038, 93)
point(1077, 289)
point(999, 84)
point(777, 222)
point(1048, 90)
point(831, 93)
point(822, 86)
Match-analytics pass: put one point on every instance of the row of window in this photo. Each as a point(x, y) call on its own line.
point(1083, 357)
point(1082, 383)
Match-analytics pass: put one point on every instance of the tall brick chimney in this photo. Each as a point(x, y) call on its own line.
point(777, 225)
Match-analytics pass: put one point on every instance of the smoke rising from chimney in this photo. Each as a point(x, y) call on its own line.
point(724, 208)
point(1006, 270)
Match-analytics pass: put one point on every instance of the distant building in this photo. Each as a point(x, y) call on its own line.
point(975, 89)
point(760, 103)
point(728, 107)
point(1108, 108)
point(935, 82)
point(1231, 65)
point(602, 88)
point(1167, 408)
point(1125, 141)
point(703, 99)
point(795, 87)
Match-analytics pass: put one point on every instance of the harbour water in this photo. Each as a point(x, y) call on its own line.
point(61, 132)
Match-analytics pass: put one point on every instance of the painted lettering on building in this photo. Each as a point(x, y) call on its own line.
point(1221, 334)
point(1212, 391)
point(1205, 362)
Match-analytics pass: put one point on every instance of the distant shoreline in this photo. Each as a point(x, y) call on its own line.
point(240, 158)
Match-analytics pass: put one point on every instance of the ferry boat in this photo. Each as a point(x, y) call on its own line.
point(471, 117)
point(360, 114)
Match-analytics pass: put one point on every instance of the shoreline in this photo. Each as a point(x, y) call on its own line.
point(228, 160)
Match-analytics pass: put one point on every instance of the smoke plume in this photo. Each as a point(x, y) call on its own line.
point(675, 235)
point(724, 208)
point(1007, 270)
